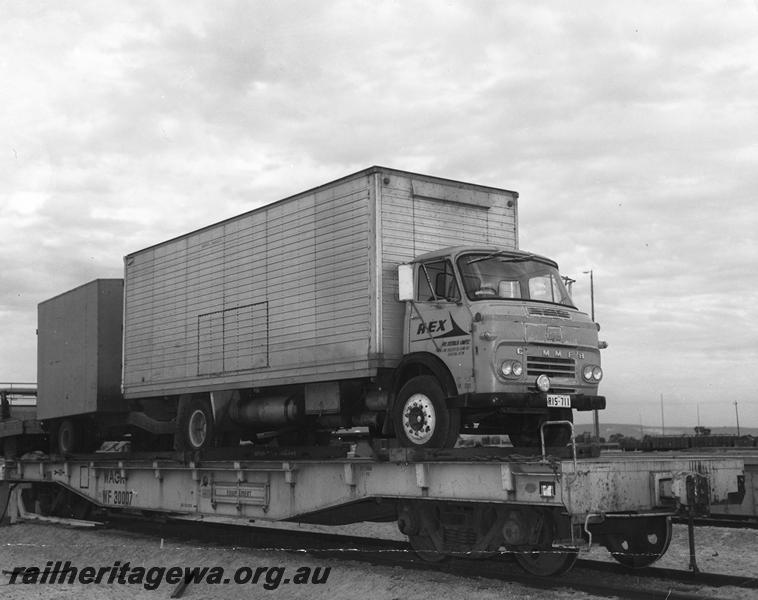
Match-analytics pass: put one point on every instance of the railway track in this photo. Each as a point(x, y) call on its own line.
point(603, 579)
point(729, 523)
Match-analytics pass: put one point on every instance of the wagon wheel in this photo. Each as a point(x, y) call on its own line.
point(543, 559)
point(547, 562)
point(422, 526)
point(423, 546)
point(643, 541)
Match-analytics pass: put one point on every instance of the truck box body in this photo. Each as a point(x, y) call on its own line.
point(302, 290)
point(79, 351)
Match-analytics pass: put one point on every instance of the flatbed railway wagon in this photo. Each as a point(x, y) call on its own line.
point(542, 509)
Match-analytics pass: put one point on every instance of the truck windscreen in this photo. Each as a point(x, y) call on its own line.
point(512, 277)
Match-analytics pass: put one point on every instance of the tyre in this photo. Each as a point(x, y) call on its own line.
point(421, 417)
point(68, 437)
point(194, 421)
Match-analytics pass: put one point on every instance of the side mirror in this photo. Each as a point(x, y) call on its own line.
point(405, 290)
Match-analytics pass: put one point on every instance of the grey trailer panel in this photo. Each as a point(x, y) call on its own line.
point(79, 351)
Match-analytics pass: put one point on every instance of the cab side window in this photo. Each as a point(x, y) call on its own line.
point(436, 281)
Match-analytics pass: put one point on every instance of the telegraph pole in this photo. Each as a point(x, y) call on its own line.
point(737, 414)
point(663, 425)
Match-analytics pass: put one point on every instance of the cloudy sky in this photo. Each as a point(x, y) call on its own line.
point(629, 129)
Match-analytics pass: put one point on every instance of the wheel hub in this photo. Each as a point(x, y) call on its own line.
point(198, 428)
point(419, 419)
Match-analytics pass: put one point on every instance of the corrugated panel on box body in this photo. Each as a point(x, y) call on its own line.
point(295, 291)
point(279, 289)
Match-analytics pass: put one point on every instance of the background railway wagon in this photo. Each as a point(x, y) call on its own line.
point(685, 442)
point(747, 510)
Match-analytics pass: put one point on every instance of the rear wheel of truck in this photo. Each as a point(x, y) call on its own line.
point(421, 418)
point(194, 422)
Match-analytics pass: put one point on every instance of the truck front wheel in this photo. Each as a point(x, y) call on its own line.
point(421, 418)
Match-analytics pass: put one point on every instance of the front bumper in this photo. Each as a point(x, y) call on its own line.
point(524, 401)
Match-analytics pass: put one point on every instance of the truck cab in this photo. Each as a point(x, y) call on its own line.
point(493, 344)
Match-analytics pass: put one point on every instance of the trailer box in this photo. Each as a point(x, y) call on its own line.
point(79, 351)
point(299, 291)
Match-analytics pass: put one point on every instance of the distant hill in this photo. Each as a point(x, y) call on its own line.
point(608, 429)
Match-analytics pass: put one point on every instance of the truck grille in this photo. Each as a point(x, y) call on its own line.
point(550, 366)
point(549, 312)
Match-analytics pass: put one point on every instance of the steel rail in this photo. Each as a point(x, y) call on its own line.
point(584, 577)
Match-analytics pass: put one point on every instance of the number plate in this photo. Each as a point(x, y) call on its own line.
point(558, 401)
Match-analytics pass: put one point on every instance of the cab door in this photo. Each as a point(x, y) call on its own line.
point(439, 323)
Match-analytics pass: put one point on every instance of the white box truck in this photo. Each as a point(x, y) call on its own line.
point(386, 299)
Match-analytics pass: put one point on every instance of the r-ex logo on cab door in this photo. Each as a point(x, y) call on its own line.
point(440, 328)
point(431, 327)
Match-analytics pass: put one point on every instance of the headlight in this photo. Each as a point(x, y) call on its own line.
point(592, 373)
point(511, 368)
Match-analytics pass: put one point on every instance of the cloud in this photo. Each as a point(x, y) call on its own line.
point(627, 131)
